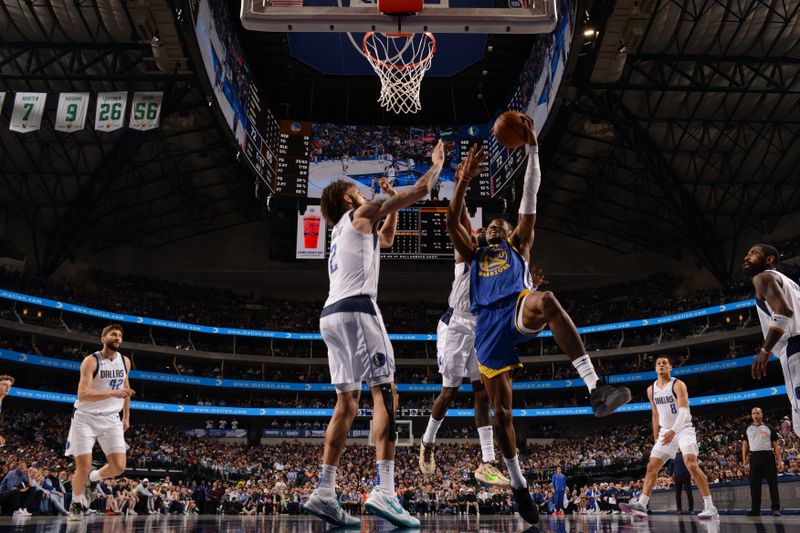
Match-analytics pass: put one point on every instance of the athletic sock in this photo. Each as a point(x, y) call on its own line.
point(515, 473)
point(708, 503)
point(586, 371)
point(644, 500)
point(487, 443)
point(386, 476)
point(429, 437)
point(327, 481)
point(94, 476)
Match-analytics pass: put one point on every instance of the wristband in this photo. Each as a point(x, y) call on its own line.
point(780, 323)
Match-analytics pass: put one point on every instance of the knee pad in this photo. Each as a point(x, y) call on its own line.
point(388, 403)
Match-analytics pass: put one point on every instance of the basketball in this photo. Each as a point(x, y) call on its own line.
point(512, 129)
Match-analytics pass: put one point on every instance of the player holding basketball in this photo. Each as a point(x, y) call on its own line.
point(455, 352)
point(103, 391)
point(359, 349)
point(509, 312)
point(672, 431)
point(778, 303)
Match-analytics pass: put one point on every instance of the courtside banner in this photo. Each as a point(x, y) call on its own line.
point(117, 317)
point(71, 114)
point(110, 112)
point(145, 110)
point(38, 360)
point(59, 397)
point(28, 111)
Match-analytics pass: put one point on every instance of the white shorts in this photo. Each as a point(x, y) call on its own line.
point(790, 364)
point(87, 428)
point(358, 344)
point(455, 349)
point(685, 440)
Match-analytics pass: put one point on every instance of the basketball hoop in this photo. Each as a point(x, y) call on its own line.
point(400, 60)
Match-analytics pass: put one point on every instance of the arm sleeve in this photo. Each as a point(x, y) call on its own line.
point(680, 420)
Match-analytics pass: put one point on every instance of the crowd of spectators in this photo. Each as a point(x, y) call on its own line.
point(212, 476)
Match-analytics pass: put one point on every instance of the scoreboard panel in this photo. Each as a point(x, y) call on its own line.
point(294, 152)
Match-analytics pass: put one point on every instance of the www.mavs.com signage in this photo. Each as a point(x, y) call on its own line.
point(59, 397)
point(132, 319)
point(30, 359)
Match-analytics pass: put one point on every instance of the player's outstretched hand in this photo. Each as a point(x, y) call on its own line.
point(531, 131)
point(438, 154)
point(471, 165)
point(759, 368)
point(387, 188)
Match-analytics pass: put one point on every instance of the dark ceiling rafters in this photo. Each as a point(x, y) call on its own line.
point(702, 125)
point(98, 189)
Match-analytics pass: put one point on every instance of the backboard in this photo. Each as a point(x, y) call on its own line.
point(438, 16)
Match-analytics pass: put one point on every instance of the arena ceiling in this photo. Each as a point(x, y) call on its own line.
point(678, 126)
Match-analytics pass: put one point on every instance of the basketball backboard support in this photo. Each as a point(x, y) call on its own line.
point(405, 435)
point(438, 16)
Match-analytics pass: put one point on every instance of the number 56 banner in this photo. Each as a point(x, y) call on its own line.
point(71, 115)
point(145, 110)
point(110, 112)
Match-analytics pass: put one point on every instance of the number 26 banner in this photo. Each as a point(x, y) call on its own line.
point(145, 110)
point(110, 112)
point(71, 115)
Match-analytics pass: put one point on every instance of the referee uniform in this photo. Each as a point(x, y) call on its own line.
point(761, 442)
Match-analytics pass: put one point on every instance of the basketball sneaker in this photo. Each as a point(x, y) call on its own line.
point(427, 464)
point(606, 399)
point(488, 473)
point(636, 509)
point(387, 506)
point(525, 506)
point(708, 513)
point(329, 510)
point(76, 511)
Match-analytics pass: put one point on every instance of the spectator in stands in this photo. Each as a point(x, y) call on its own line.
point(16, 493)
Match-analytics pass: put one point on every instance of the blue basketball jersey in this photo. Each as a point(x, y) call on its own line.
point(498, 274)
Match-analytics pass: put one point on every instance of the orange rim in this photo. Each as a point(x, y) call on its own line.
point(396, 35)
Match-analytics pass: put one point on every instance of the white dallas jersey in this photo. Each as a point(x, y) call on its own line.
point(354, 262)
point(459, 294)
point(666, 402)
point(791, 292)
point(109, 376)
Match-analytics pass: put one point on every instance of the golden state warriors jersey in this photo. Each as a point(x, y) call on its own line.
point(498, 274)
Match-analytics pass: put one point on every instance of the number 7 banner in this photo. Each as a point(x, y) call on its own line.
point(145, 110)
point(28, 111)
point(71, 115)
point(110, 112)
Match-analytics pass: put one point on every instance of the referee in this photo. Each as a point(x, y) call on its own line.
point(762, 452)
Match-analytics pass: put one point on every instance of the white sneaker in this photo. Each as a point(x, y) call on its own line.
point(708, 514)
point(389, 508)
point(329, 510)
point(427, 463)
point(636, 509)
point(21, 513)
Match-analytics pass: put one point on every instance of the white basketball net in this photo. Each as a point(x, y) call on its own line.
point(400, 60)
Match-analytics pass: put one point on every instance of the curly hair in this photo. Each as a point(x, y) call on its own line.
point(331, 202)
point(769, 250)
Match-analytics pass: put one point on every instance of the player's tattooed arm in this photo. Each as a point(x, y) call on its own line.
point(366, 216)
point(768, 290)
point(389, 227)
point(126, 408)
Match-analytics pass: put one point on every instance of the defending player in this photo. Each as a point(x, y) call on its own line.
point(455, 352)
point(672, 431)
point(358, 345)
point(103, 391)
point(509, 312)
point(778, 302)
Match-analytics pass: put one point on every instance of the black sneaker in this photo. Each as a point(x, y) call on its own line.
point(525, 506)
point(76, 511)
point(753, 513)
point(776, 513)
point(607, 399)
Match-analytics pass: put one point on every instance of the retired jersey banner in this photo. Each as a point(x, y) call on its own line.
point(28, 111)
point(110, 112)
point(2, 99)
point(71, 114)
point(146, 110)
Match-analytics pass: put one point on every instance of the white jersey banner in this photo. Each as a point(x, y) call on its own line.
point(71, 114)
point(28, 111)
point(2, 99)
point(146, 110)
point(311, 234)
point(110, 112)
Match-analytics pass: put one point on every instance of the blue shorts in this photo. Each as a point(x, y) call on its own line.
point(497, 336)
